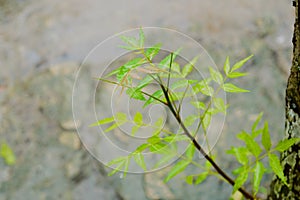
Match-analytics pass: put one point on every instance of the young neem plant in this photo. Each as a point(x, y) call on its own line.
point(175, 86)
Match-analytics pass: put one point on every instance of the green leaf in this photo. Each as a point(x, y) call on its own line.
point(138, 119)
point(7, 154)
point(121, 118)
point(276, 167)
point(226, 66)
point(266, 139)
point(139, 159)
point(251, 144)
point(236, 74)
point(203, 87)
point(188, 68)
point(165, 63)
point(190, 151)
point(112, 127)
point(240, 153)
point(175, 67)
point(134, 130)
point(259, 171)
point(103, 121)
point(144, 82)
point(189, 179)
point(156, 94)
point(229, 87)
point(142, 147)
point(220, 105)
point(176, 169)
point(216, 75)
point(199, 104)
point(152, 51)
point(189, 120)
point(241, 179)
point(240, 63)
point(179, 84)
point(206, 120)
point(135, 93)
point(165, 159)
point(201, 177)
point(122, 162)
point(141, 38)
point(286, 144)
point(131, 41)
point(254, 126)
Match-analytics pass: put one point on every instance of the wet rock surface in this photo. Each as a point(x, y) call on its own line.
point(42, 46)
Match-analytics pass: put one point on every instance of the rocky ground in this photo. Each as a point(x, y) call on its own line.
point(42, 46)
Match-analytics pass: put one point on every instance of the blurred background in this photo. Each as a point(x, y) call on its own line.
point(42, 44)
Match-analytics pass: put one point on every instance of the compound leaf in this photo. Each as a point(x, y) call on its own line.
point(176, 169)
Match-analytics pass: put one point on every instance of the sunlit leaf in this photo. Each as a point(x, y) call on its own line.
point(216, 75)
point(188, 68)
point(103, 121)
point(138, 118)
point(220, 105)
point(266, 139)
point(203, 87)
point(206, 120)
point(286, 144)
point(144, 82)
point(7, 154)
point(240, 63)
point(165, 63)
point(176, 169)
point(276, 167)
point(112, 127)
point(156, 94)
point(199, 104)
point(226, 66)
point(201, 177)
point(139, 159)
point(141, 38)
point(241, 179)
point(131, 41)
point(135, 93)
point(236, 74)
point(190, 120)
point(251, 144)
point(152, 51)
point(229, 87)
point(240, 153)
point(134, 129)
point(189, 179)
point(258, 171)
point(254, 126)
point(190, 151)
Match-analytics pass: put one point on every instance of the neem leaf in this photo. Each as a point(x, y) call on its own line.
point(286, 144)
point(240, 63)
point(227, 66)
point(152, 51)
point(135, 93)
point(236, 74)
point(241, 179)
point(7, 154)
point(199, 104)
point(188, 68)
point(138, 118)
point(258, 171)
point(139, 159)
point(156, 94)
point(216, 75)
point(190, 151)
point(142, 38)
point(103, 121)
point(276, 167)
point(251, 144)
point(131, 41)
point(201, 177)
point(266, 139)
point(165, 63)
point(240, 153)
point(254, 126)
point(176, 169)
point(229, 87)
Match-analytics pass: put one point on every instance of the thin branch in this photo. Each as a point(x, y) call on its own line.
point(199, 148)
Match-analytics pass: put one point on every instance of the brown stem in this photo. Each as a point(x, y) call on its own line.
point(198, 146)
